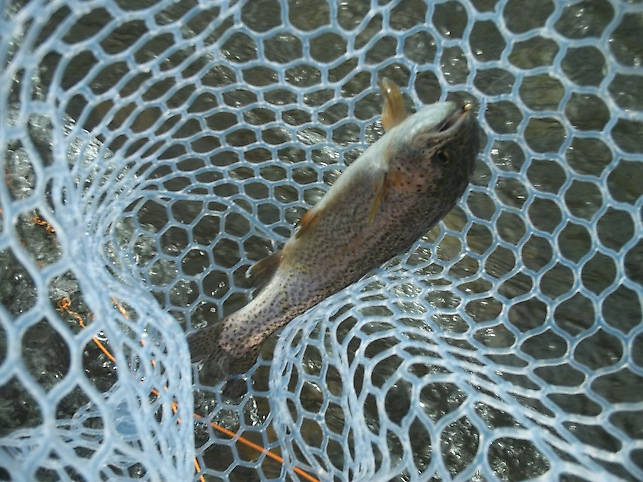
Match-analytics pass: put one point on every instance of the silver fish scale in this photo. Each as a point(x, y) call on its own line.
point(152, 151)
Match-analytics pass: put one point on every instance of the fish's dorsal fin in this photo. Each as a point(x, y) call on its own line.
point(307, 221)
point(393, 110)
point(263, 270)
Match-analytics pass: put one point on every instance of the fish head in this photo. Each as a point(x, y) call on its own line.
point(434, 150)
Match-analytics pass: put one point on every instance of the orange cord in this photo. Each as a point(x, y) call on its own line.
point(64, 306)
point(41, 222)
point(36, 219)
point(258, 448)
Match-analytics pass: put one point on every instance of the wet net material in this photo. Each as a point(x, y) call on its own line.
point(152, 151)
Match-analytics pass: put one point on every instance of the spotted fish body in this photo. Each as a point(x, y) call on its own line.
point(388, 198)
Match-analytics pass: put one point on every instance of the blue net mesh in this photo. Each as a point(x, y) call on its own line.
point(151, 152)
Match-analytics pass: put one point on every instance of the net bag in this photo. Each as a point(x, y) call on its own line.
point(151, 152)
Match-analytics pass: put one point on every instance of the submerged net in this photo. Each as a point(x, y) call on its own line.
point(152, 151)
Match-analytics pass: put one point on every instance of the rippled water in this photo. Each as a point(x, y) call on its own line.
point(548, 174)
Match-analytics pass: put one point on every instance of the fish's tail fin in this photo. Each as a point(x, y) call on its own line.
point(217, 363)
point(202, 342)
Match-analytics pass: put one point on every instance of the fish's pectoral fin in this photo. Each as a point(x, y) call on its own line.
point(307, 221)
point(380, 191)
point(263, 270)
point(393, 110)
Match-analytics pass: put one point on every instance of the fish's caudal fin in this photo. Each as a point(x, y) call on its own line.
point(202, 342)
point(221, 366)
point(394, 110)
point(218, 363)
point(263, 270)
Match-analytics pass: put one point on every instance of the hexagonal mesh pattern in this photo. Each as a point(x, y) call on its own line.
point(152, 151)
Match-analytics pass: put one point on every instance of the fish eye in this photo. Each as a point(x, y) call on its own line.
point(443, 156)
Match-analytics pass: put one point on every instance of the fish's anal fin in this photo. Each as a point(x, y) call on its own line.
point(307, 221)
point(263, 270)
point(393, 110)
point(380, 191)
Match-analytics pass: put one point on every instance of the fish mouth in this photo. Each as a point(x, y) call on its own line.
point(454, 120)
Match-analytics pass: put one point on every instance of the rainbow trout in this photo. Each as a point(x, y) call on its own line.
point(381, 204)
